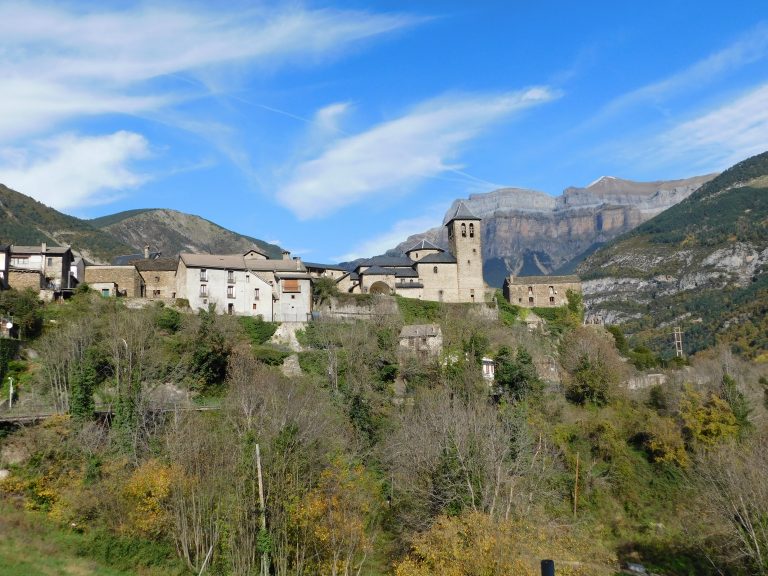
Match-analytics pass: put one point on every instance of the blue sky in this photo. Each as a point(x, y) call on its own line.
point(337, 129)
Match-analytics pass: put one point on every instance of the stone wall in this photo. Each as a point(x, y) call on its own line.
point(19, 280)
point(540, 291)
point(127, 278)
point(159, 284)
point(362, 307)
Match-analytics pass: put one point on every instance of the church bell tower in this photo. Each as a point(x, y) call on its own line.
point(466, 244)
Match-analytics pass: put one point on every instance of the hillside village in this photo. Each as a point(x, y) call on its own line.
point(278, 290)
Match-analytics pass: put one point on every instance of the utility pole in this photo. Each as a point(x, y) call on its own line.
point(678, 342)
point(576, 487)
point(264, 553)
point(10, 394)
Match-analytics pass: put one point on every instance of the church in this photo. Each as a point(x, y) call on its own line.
point(426, 271)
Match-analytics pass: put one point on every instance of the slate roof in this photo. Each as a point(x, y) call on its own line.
point(238, 262)
point(440, 258)
point(156, 265)
point(54, 250)
point(462, 213)
point(387, 261)
point(396, 272)
point(128, 259)
point(423, 244)
point(312, 265)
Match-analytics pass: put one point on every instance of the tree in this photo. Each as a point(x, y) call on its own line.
point(84, 379)
point(323, 289)
point(211, 351)
point(25, 308)
point(593, 364)
point(516, 376)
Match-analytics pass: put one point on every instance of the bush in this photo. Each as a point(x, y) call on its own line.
point(270, 355)
point(257, 329)
point(169, 320)
point(418, 311)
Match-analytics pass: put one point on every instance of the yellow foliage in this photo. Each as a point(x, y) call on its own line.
point(666, 443)
point(707, 422)
point(475, 544)
point(147, 492)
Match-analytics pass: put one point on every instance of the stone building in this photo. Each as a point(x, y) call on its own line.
point(42, 268)
point(115, 280)
point(423, 340)
point(246, 284)
point(159, 276)
point(540, 291)
point(426, 271)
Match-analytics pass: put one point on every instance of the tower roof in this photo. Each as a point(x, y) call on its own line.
point(462, 213)
point(423, 244)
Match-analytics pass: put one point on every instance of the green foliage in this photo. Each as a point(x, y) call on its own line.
point(516, 375)
point(418, 311)
point(83, 382)
point(211, 351)
point(508, 313)
point(738, 402)
point(323, 289)
point(475, 346)
point(25, 308)
point(314, 362)
point(621, 342)
point(270, 355)
point(558, 319)
point(8, 350)
point(575, 304)
point(591, 382)
point(169, 320)
point(257, 329)
point(644, 358)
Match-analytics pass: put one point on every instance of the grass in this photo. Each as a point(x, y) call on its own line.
point(31, 546)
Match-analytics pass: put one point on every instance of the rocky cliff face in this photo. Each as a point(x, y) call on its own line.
point(530, 232)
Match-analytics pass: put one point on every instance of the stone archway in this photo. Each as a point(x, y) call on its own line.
point(380, 287)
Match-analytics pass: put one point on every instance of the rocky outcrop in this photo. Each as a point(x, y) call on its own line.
point(530, 232)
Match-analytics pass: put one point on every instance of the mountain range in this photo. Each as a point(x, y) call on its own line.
point(527, 232)
point(26, 221)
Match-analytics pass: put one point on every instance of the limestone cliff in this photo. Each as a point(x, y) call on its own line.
point(531, 232)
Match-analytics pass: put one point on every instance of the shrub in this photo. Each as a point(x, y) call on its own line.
point(257, 329)
point(170, 320)
point(270, 355)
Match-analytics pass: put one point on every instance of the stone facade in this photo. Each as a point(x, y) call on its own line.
point(246, 285)
point(426, 271)
point(126, 278)
point(423, 340)
point(159, 277)
point(540, 291)
point(53, 265)
point(23, 279)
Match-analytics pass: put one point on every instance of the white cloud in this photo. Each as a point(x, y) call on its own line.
point(61, 63)
point(750, 48)
point(69, 170)
point(392, 156)
point(399, 231)
point(718, 138)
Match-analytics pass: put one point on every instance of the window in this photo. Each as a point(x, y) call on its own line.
point(230, 308)
point(551, 290)
point(463, 230)
point(204, 290)
point(254, 305)
point(50, 261)
point(450, 231)
point(20, 261)
point(291, 285)
point(203, 275)
point(530, 299)
point(472, 295)
point(157, 278)
point(471, 230)
point(551, 299)
point(469, 262)
point(474, 250)
point(434, 269)
point(156, 293)
point(230, 276)
point(416, 255)
point(230, 291)
point(255, 294)
point(293, 296)
point(440, 295)
point(247, 278)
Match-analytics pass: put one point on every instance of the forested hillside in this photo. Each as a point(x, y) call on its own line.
point(700, 264)
point(373, 459)
point(26, 221)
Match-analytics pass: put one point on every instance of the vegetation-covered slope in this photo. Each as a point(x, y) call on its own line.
point(701, 264)
point(172, 232)
point(26, 221)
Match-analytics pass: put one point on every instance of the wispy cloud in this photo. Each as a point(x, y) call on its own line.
point(61, 63)
point(718, 138)
point(394, 155)
point(399, 231)
point(750, 48)
point(70, 170)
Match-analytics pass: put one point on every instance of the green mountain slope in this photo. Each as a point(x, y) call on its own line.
point(26, 221)
point(702, 264)
point(172, 232)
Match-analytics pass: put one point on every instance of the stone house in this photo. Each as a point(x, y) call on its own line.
point(5, 260)
point(43, 268)
point(427, 271)
point(540, 291)
point(424, 340)
point(159, 276)
point(247, 284)
point(115, 280)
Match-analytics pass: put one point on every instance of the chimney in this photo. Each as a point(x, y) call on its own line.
point(146, 252)
point(43, 247)
point(297, 259)
point(286, 254)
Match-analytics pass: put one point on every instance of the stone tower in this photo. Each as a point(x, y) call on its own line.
point(466, 245)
